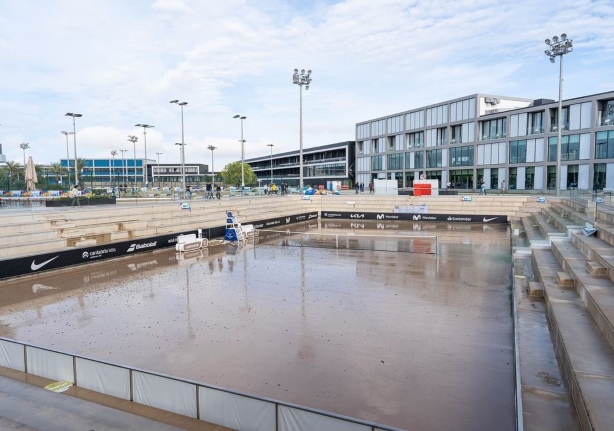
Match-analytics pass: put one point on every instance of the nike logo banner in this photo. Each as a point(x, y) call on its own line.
point(36, 266)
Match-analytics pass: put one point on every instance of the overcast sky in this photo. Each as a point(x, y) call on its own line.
point(120, 62)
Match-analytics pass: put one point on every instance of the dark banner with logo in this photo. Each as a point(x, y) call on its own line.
point(60, 259)
point(450, 218)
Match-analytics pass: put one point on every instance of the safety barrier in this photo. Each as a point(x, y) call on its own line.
point(208, 403)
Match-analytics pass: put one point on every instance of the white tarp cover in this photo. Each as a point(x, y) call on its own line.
point(11, 356)
point(53, 365)
point(164, 393)
point(291, 419)
point(236, 411)
point(103, 378)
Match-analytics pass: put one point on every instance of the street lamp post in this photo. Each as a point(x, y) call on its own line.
point(301, 79)
point(158, 168)
point(211, 147)
point(182, 104)
point(242, 117)
point(271, 145)
point(24, 147)
point(134, 140)
point(67, 155)
point(113, 153)
point(182, 154)
point(123, 166)
point(74, 135)
point(145, 127)
point(559, 47)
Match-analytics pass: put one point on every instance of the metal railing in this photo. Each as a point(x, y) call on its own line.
point(181, 396)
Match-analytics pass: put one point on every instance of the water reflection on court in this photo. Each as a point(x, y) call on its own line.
point(413, 340)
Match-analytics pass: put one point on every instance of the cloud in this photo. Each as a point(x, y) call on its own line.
point(120, 63)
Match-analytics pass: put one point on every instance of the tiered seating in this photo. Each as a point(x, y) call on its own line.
point(577, 276)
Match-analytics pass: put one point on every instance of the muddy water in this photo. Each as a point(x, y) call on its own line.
point(417, 341)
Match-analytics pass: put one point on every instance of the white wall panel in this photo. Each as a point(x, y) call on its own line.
point(486, 178)
point(12, 355)
point(583, 177)
point(236, 411)
point(539, 149)
point(291, 419)
point(609, 176)
point(502, 177)
point(522, 124)
point(487, 152)
point(502, 153)
point(103, 378)
point(539, 178)
point(412, 158)
point(585, 146)
point(53, 365)
point(513, 126)
point(164, 393)
point(586, 115)
point(530, 150)
point(480, 155)
point(444, 157)
point(574, 117)
point(521, 178)
point(563, 178)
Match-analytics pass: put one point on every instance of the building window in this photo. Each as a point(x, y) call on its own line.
point(415, 140)
point(378, 127)
point(414, 120)
point(437, 115)
point(551, 177)
point(395, 124)
point(599, 176)
point(554, 115)
point(570, 148)
point(376, 163)
point(518, 151)
point(513, 176)
point(605, 116)
point(463, 110)
point(362, 131)
point(434, 159)
point(535, 123)
point(604, 145)
point(461, 179)
point(418, 160)
point(494, 129)
point(395, 161)
point(392, 143)
point(529, 177)
point(436, 137)
point(461, 156)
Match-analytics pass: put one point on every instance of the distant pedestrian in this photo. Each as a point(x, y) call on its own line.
point(218, 192)
point(502, 192)
point(362, 187)
point(371, 187)
point(74, 194)
point(357, 188)
point(483, 188)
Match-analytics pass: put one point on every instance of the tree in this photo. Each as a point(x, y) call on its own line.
point(12, 169)
point(231, 175)
point(57, 169)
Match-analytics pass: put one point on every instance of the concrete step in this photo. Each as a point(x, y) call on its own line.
point(584, 355)
point(10, 240)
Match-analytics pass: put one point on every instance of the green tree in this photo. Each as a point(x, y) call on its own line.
point(231, 175)
point(57, 170)
point(12, 170)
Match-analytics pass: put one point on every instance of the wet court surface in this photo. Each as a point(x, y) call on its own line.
point(412, 340)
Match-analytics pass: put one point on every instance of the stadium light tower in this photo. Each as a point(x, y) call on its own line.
point(133, 139)
point(271, 145)
point(74, 135)
point(67, 154)
point(145, 127)
point(212, 148)
point(301, 79)
point(242, 117)
point(558, 48)
point(182, 104)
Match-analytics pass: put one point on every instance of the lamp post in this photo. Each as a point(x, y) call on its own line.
point(24, 147)
point(301, 79)
point(182, 154)
point(211, 147)
point(134, 140)
point(145, 127)
point(271, 145)
point(123, 166)
point(242, 117)
point(559, 47)
point(182, 104)
point(113, 153)
point(67, 155)
point(74, 135)
point(158, 168)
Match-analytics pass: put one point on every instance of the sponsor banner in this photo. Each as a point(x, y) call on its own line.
point(60, 259)
point(450, 218)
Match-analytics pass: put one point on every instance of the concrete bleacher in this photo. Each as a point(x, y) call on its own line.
point(576, 274)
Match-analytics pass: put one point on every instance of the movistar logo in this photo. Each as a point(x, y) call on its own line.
point(35, 266)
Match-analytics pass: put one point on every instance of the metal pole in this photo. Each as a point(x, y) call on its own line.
point(242, 159)
point(74, 135)
point(301, 139)
point(182, 155)
point(559, 130)
point(67, 157)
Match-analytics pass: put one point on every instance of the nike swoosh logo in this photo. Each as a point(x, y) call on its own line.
point(486, 220)
point(36, 266)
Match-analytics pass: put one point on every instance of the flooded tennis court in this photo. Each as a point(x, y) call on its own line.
point(419, 341)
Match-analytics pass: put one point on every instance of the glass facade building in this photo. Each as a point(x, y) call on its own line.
point(492, 138)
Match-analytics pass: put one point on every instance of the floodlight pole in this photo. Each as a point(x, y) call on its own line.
point(133, 139)
point(271, 145)
point(301, 79)
point(67, 154)
point(559, 48)
point(145, 127)
point(182, 104)
point(211, 147)
point(74, 135)
point(242, 117)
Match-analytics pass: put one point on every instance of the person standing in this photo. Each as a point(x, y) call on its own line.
point(371, 187)
point(74, 194)
point(483, 188)
point(502, 192)
point(357, 187)
point(362, 187)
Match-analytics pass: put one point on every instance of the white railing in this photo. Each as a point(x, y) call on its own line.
point(208, 403)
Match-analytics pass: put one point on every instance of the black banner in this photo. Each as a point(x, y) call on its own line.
point(449, 218)
point(60, 259)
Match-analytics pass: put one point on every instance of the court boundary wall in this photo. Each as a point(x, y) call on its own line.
point(213, 404)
